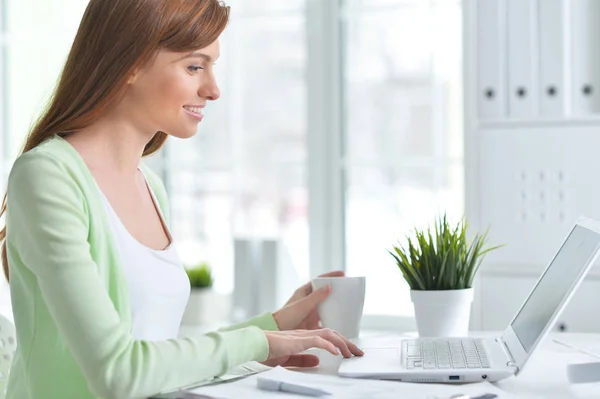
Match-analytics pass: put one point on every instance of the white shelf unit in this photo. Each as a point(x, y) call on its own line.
point(531, 170)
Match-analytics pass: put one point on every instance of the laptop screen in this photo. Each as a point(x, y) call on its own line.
point(576, 252)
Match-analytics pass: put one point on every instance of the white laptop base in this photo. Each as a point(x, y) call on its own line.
point(434, 360)
point(463, 360)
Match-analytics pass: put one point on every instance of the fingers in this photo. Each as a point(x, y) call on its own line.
point(346, 347)
point(336, 273)
point(338, 341)
point(307, 288)
point(303, 360)
point(307, 304)
point(293, 314)
point(293, 343)
point(355, 350)
point(317, 341)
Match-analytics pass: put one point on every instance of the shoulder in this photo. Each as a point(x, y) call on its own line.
point(35, 166)
point(52, 167)
point(54, 153)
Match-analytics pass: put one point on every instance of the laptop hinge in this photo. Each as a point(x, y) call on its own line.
point(511, 359)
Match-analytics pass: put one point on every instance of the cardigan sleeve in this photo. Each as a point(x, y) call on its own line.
point(48, 229)
point(264, 322)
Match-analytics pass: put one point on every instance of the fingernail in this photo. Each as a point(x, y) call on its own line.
point(325, 288)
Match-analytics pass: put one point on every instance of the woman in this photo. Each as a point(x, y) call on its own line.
point(82, 214)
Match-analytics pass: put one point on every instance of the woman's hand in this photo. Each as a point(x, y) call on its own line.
point(285, 347)
point(300, 312)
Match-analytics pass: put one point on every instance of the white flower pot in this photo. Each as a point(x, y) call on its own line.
point(442, 313)
point(202, 307)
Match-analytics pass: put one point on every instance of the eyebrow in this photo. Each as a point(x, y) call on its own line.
point(197, 54)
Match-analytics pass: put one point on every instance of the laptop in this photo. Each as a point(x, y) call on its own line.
point(460, 360)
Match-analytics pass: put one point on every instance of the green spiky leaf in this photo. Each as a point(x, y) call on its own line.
point(441, 258)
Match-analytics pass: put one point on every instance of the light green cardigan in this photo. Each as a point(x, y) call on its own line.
point(71, 302)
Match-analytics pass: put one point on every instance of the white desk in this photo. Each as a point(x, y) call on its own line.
point(544, 376)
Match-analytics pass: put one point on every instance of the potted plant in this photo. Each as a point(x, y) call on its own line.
point(439, 267)
point(202, 298)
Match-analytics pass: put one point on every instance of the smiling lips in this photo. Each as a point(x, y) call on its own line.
point(195, 111)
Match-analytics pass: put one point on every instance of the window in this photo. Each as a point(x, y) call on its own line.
point(403, 140)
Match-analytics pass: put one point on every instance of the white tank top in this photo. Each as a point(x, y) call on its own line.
point(158, 285)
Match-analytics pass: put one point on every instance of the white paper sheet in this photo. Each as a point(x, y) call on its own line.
point(345, 388)
point(235, 373)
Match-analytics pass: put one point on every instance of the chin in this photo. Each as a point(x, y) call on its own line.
point(183, 134)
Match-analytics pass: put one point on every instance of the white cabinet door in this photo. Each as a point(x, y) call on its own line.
point(502, 296)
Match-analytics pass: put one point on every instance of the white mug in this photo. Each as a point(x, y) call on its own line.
point(342, 309)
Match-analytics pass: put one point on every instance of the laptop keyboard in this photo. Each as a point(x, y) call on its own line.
point(444, 354)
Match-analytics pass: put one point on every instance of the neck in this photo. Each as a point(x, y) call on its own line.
point(112, 144)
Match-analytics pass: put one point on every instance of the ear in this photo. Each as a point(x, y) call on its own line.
point(133, 77)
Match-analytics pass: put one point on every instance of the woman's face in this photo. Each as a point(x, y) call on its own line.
point(170, 93)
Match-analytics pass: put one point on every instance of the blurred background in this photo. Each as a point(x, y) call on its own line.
point(342, 126)
point(386, 132)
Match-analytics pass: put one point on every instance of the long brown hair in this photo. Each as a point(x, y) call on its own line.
point(114, 39)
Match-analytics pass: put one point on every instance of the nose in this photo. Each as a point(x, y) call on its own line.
point(210, 89)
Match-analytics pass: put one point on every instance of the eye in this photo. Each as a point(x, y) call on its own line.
point(194, 68)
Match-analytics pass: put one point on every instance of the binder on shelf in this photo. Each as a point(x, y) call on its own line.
point(521, 45)
point(491, 59)
point(585, 30)
point(551, 83)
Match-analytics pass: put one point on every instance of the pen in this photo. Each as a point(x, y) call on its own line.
point(484, 396)
point(271, 385)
